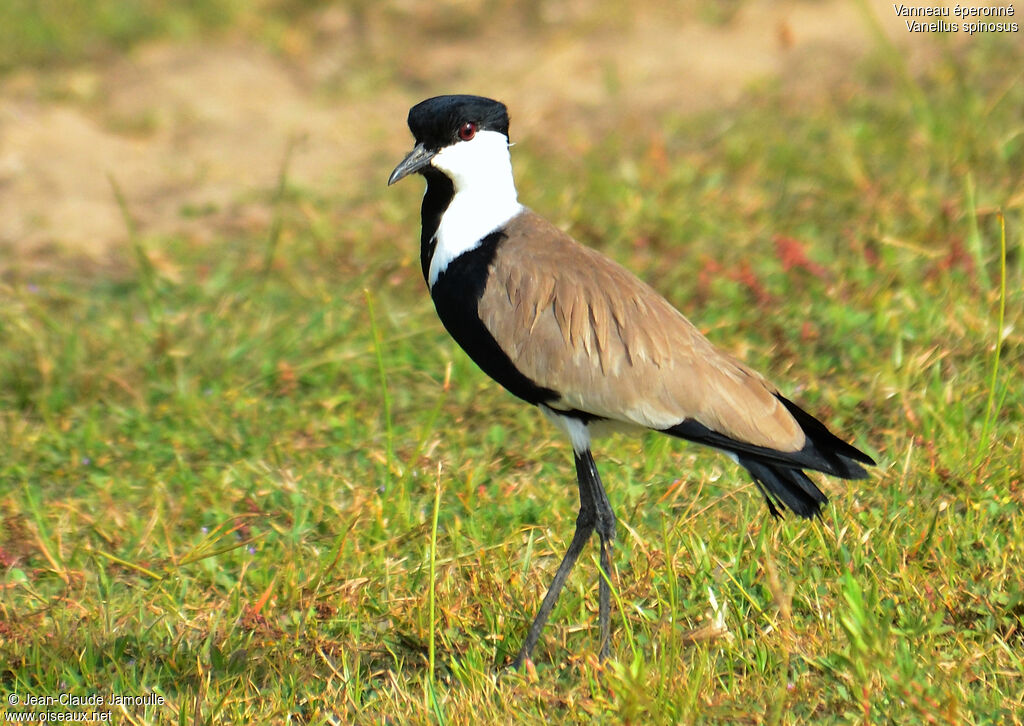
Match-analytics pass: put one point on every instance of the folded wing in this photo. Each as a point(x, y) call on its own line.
point(576, 322)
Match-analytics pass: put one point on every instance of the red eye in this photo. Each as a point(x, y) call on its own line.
point(467, 131)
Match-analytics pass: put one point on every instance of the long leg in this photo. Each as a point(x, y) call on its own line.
point(585, 522)
point(595, 512)
point(586, 470)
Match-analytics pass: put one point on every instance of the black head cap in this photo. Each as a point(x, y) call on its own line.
point(436, 122)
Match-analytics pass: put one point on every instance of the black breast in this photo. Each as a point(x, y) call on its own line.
point(456, 295)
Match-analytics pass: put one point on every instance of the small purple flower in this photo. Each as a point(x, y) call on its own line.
point(86, 461)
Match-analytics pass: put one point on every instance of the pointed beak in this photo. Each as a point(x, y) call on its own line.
point(418, 158)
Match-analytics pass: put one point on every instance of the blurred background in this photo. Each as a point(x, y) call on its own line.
point(227, 405)
point(192, 108)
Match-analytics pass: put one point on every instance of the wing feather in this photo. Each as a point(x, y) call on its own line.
point(575, 322)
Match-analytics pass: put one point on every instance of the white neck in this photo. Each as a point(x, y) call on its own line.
point(485, 196)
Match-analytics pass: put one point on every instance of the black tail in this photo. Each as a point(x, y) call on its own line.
point(778, 474)
point(787, 488)
point(840, 456)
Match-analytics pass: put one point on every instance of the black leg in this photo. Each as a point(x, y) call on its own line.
point(584, 528)
point(595, 513)
point(604, 523)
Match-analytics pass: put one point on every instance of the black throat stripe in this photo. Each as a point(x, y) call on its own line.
point(439, 194)
point(456, 295)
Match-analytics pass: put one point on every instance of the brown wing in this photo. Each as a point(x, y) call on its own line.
point(575, 322)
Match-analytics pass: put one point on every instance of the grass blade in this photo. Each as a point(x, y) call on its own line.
point(991, 407)
point(385, 397)
point(432, 602)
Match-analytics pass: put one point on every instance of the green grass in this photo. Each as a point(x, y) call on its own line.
point(57, 33)
point(218, 466)
point(49, 32)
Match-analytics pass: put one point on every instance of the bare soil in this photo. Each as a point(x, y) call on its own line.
point(194, 135)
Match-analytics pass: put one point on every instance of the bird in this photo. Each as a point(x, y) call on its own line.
point(567, 329)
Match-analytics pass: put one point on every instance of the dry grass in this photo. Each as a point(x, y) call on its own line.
point(204, 496)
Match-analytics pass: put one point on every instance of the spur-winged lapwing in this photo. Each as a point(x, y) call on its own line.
point(566, 329)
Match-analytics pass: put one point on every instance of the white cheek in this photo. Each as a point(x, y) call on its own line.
point(485, 196)
point(482, 162)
